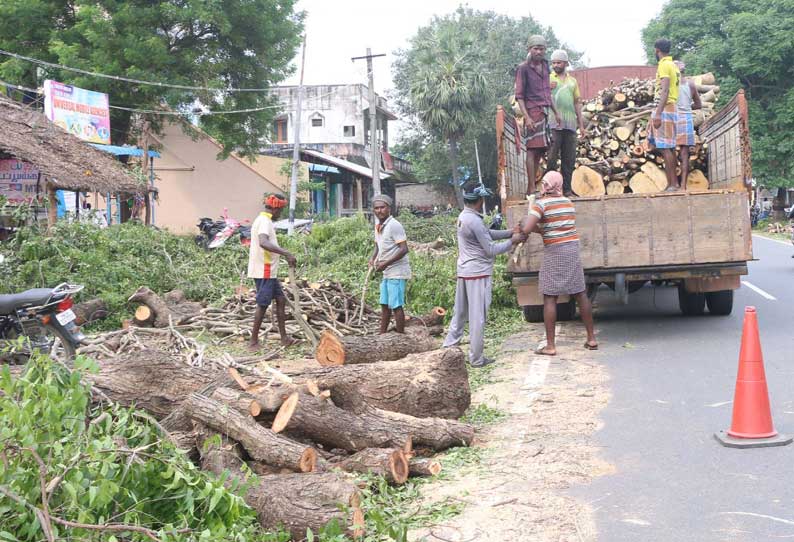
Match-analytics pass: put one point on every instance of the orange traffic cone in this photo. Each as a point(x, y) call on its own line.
point(751, 426)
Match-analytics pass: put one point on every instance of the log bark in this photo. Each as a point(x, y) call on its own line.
point(434, 318)
point(323, 422)
point(390, 463)
point(334, 350)
point(424, 467)
point(587, 182)
point(432, 384)
point(89, 311)
point(218, 452)
point(241, 401)
point(260, 443)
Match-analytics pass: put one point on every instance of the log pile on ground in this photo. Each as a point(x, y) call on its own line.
point(615, 156)
point(305, 432)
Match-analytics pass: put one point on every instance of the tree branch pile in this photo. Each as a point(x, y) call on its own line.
point(615, 156)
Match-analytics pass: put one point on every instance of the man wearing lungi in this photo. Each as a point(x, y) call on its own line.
point(688, 99)
point(533, 94)
point(662, 132)
point(477, 250)
point(553, 216)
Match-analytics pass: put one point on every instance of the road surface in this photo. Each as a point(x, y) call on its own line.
point(672, 380)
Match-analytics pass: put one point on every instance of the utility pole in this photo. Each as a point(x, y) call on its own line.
point(479, 172)
point(296, 153)
point(373, 121)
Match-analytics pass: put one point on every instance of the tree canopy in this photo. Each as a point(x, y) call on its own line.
point(749, 45)
point(488, 42)
point(220, 45)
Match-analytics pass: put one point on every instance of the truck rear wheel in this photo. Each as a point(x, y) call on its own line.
point(565, 312)
point(691, 304)
point(720, 303)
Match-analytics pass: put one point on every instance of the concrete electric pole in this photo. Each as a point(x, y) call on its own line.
point(373, 121)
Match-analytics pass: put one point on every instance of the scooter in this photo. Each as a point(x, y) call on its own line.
point(44, 318)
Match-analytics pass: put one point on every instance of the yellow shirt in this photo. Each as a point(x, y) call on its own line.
point(667, 69)
point(262, 264)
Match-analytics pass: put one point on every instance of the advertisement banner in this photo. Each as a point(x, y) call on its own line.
point(83, 113)
point(18, 181)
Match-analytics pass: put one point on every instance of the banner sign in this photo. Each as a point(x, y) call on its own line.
point(18, 181)
point(82, 113)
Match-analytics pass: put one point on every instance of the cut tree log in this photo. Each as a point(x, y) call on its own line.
point(260, 443)
point(143, 317)
point(640, 183)
point(89, 311)
point(697, 181)
point(424, 467)
point(434, 318)
point(390, 463)
point(241, 401)
point(623, 133)
point(587, 182)
point(438, 244)
point(371, 427)
point(656, 174)
point(165, 314)
point(334, 350)
point(218, 452)
point(433, 384)
point(614, 188)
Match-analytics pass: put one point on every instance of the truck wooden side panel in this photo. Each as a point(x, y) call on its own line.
point(728, 136)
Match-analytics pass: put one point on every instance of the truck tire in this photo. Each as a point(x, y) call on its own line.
point(565, 312)
point(720, 303)
point(691, 304)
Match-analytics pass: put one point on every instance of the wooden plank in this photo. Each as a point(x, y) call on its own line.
point(627, 232)
point(669, 218)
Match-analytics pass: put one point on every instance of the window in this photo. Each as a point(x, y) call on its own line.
point(350, 131)
point(280, 131)
point(317, 122)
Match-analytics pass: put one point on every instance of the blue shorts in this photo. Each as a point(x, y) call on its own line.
point(267, 290)
point(392, 292)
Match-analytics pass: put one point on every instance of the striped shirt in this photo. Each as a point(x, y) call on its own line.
point(557, 217)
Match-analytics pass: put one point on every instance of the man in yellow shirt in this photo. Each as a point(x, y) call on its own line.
point(663, 119)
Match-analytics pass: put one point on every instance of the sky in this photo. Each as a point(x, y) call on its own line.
point(607, 32)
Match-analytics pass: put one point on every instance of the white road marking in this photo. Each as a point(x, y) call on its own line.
point(788, 244)
point(763, 516)
point(723, 403)
point(536, 376)
point(759, 291)
point(636, 522)
point(661, 402)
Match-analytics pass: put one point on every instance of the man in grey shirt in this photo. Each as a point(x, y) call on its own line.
point(390, 257)
point(477, 250)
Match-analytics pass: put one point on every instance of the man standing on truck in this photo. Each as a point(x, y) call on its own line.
point(568, 101)
point(533, 94)
point(477, 249)
point(663, 119)
point(688, 99)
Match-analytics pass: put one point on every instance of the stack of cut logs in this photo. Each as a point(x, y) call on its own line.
point(381, 404)
point(615, 156)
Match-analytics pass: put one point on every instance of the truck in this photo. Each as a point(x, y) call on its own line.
point(699, 242)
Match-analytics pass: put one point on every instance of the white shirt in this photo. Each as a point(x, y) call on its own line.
point(262, 264)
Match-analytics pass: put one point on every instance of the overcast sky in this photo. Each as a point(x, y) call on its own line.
point(607, 32)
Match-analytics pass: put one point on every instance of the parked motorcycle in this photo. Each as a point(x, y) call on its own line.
point(44, 317)
point(215, 233)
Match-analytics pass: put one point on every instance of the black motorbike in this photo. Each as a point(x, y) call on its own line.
point(44, 317)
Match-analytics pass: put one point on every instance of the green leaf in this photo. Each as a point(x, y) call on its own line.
point(217, 495)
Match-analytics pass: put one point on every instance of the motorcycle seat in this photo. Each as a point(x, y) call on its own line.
point(29, 298)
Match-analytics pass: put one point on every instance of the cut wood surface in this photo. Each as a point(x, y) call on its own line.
point(614, 188)
point(390, 463)
point(241, 401)
point(143, 317)
point(334, 350)
point(696, 180)
point(587, 182)
point(432, 384)
point(260, 443)
point(89, 311)
point(640, 183)
point(424, 467)
point(165, 314)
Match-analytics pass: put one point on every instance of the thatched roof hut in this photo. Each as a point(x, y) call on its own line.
point(65, 161)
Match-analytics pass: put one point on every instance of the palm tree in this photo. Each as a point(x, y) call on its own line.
point(448, 88)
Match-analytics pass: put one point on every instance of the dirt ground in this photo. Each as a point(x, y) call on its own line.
point(543, 446)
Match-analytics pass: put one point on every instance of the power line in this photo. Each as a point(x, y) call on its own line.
point(126, 79)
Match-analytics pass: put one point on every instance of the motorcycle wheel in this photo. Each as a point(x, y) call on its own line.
point(61, 348)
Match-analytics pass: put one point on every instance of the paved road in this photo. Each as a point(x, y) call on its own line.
point(672, 381)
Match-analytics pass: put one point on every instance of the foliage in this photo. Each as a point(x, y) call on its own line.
point(501, 41)
point(219, 45)
point(482, 414)
point(95, 466)
point(747, 45)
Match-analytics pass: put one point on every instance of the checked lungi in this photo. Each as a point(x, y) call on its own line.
point(561, 272)
point(664, 137)
point(684, 129)
point(540, 136)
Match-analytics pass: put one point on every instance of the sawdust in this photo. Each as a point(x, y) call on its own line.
point(543, 446)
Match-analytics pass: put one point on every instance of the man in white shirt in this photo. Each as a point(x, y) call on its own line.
point(391, 258)
point(263, 258)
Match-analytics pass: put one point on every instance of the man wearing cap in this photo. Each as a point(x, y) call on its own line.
point(688, 100)
point(263, 259)
point(568, 100)
point(533, 94)
point(663, 119)
point(390, 258)
point(477, 250)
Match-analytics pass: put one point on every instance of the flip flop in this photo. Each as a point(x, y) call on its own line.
point(540, 352)
point(589, 346)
